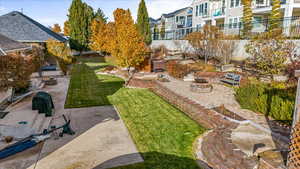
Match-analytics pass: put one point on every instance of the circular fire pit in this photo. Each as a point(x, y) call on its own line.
point(201, 85)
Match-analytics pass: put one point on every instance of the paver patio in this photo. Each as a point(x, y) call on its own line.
point(222, 95)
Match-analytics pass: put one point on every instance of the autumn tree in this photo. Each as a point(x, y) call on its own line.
point(275, 15)
point(130, 50)
point(270, 51)
point(163, 30)
point(67, 28)
point(206, 41)
point(143, 24)
point(80, 18)
point(16, 68)
point(62, 52)
point(56, 28)
point(99, 36)
point(247, 17)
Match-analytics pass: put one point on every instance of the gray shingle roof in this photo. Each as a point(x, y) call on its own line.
point(8, 45)
point(20, 27)
point(174, 13)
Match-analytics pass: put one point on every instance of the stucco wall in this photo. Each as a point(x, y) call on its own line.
point(238, 54)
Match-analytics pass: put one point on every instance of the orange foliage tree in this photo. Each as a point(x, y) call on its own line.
point(56, 28)
point(67, 28)
point(130, 51)
point(16, 68)
point(62, 52)
point(98, 36)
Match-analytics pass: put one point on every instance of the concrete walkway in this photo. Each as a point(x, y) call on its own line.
point(100, 136)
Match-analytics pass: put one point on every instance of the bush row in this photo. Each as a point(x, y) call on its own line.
point(270, 100)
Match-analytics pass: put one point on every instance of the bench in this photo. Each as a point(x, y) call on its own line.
point(232, 79)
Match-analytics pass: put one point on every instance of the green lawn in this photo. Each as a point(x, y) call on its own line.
point(163, 134)
point(88, 89)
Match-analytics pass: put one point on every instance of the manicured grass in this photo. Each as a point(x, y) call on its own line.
point(89, 89)
point(163, 134)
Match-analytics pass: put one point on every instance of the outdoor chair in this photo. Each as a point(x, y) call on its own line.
point(232, 79)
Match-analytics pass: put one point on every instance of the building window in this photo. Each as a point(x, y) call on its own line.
point(177, 19)
point(231, 3)
point(201, 10)
point(197, 7)
point(230, 23)
point(257, 21)
point(205, 9)
point(235, 3)
point(235, 23)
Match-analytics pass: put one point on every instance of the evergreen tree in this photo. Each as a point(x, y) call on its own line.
point(143, 24)
point(163, 30)
point(275, 16)
point(155, 32)
point(247, 18)
point(99, 15)
point(80, 18)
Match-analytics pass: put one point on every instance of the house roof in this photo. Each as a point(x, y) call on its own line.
point(175, 12)
point(20, 27)
point(9, 45)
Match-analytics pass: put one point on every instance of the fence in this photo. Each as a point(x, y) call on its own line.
point(291, 26)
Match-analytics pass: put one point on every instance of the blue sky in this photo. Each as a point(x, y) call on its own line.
point(49, 12)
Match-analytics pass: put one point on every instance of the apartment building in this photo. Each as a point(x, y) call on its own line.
point(177, 24)
point(227, 14)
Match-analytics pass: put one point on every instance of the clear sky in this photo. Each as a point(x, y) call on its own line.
point(48, 12)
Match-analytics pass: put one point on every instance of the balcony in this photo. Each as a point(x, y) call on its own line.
point(258, 4)
point(218, 12)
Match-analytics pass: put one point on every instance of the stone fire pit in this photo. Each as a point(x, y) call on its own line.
point(201, 85)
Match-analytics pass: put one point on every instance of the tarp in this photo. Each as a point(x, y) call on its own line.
point(43, 102)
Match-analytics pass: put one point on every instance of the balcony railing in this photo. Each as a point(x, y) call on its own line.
point(218, 12)
point(265, 3)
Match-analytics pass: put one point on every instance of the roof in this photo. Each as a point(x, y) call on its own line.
point(20, 27)
point(8, 45)
point(175, 12)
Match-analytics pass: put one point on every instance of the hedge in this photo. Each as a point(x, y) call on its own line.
point(269, 100)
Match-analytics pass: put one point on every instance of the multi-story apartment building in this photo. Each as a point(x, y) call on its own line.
point(177, 23)
point(227, 14)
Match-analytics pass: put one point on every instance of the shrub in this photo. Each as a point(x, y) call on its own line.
point(273, 100)
point(177, 70)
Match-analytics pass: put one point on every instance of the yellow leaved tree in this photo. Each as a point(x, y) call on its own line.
point(130, 49)
point(62, 52)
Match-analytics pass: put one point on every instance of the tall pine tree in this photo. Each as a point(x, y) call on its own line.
point(99, 15)
point(80, 18)
point(143, 24)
